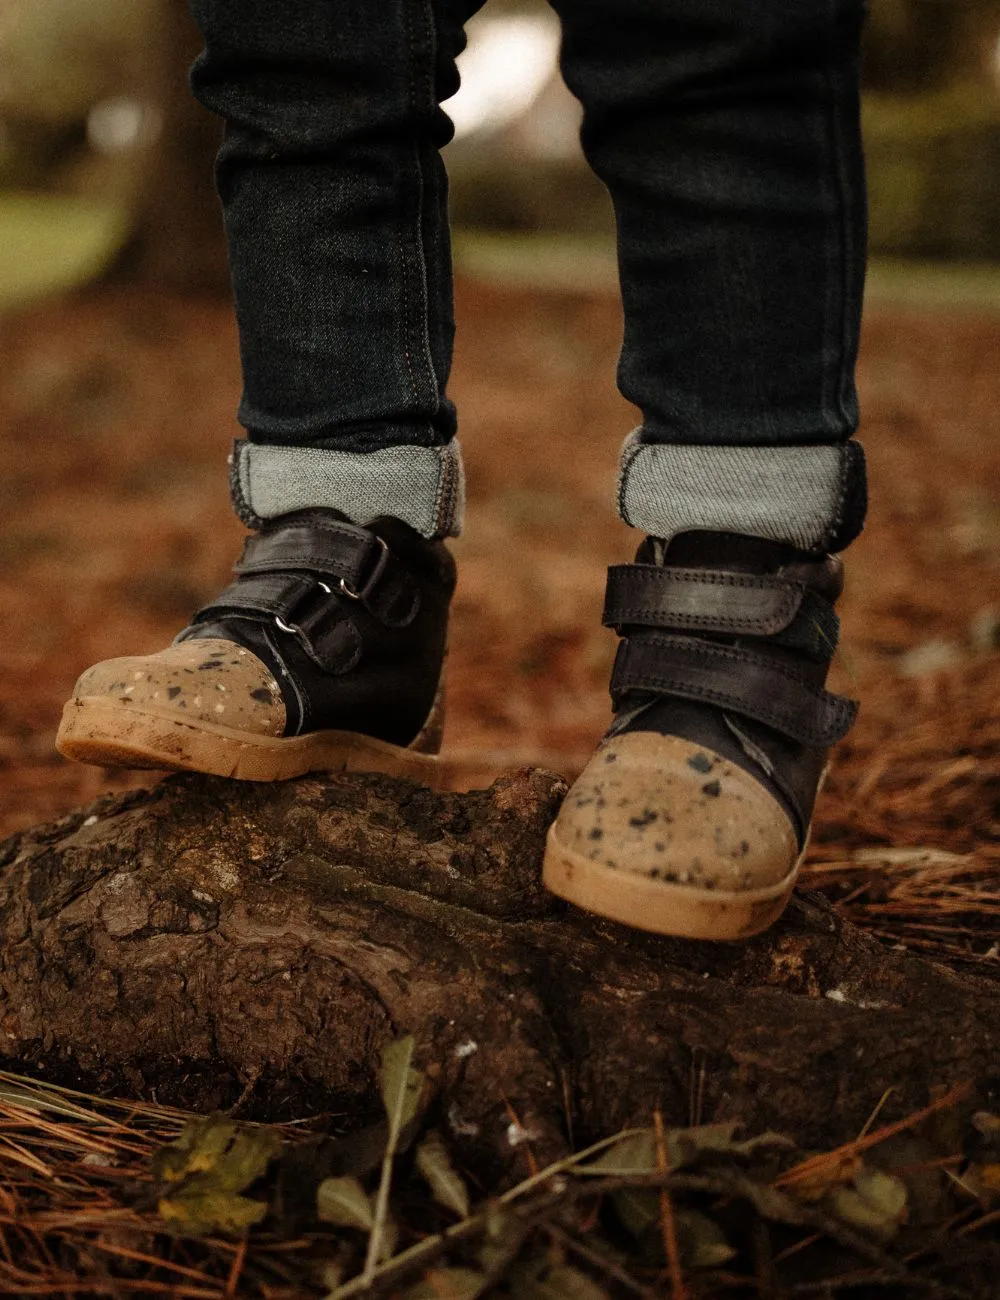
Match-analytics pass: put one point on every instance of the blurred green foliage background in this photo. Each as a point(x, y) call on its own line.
point(105, 159)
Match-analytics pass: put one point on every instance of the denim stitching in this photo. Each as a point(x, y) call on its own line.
point(448, 502)
point(240, 499)
point(837, 192)
point(834, 529)
point(416, 312)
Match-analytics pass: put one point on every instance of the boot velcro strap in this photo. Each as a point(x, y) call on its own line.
point(705, 600)
point(358, 561)
point(722, 603)
point(276, 595)
point(299, 605)
point(744, 681)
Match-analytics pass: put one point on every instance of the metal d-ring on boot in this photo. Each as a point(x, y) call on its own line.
point(325, 653)
point(692, 816)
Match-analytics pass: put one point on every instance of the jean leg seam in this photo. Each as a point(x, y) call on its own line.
point(404, 273)
point(416, 320)
point(448, 500)
point(834, 410)
point(834, 246)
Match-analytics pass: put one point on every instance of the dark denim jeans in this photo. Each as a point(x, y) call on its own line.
point(727, 134)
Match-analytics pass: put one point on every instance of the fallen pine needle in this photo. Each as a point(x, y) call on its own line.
point(816, 1167)
point(667, 1222)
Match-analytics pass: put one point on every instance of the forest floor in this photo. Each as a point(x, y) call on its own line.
point(117, 414)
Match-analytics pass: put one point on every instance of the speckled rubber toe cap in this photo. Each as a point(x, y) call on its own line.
point(665, 835)
point(211, 681)
point(209, 705)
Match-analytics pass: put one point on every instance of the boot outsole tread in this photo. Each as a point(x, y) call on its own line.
point(658, 906)
point(111, 734)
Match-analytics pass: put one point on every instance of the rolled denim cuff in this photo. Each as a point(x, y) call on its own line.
point(812, 497)
point(422, 486)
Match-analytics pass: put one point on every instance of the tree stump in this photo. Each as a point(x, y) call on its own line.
point(207, 937)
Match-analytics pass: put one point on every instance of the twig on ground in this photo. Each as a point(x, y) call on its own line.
point(667, 1223)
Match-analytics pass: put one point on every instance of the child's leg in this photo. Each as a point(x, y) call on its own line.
point(334, 199)
point(327, 650)
point(728, 137)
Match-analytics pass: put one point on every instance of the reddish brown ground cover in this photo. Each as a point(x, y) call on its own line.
point(116, 417)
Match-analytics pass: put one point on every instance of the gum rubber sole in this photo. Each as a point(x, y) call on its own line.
point(657, 905)
point(112, 734)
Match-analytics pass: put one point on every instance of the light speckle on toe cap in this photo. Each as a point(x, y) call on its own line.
point(663, 807)
point(210, 680)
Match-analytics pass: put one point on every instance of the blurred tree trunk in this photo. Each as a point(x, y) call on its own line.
point(181, 243)
point(914, 46)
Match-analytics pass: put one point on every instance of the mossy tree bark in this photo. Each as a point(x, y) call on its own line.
point(189, 939)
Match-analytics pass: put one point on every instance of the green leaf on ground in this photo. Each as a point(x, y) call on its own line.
point(436, 1168)
point(686, 1146)
point(638, 1208)
point(201, 1211)
point(636, 1153)
point(401, 1085)
point(199, 1148)
point(701, 1240)
point(203, 1173)
point(876, 1203)
point(344, 1202)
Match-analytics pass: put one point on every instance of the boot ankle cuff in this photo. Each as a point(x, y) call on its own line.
point(811, 497)
point(422, 486)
